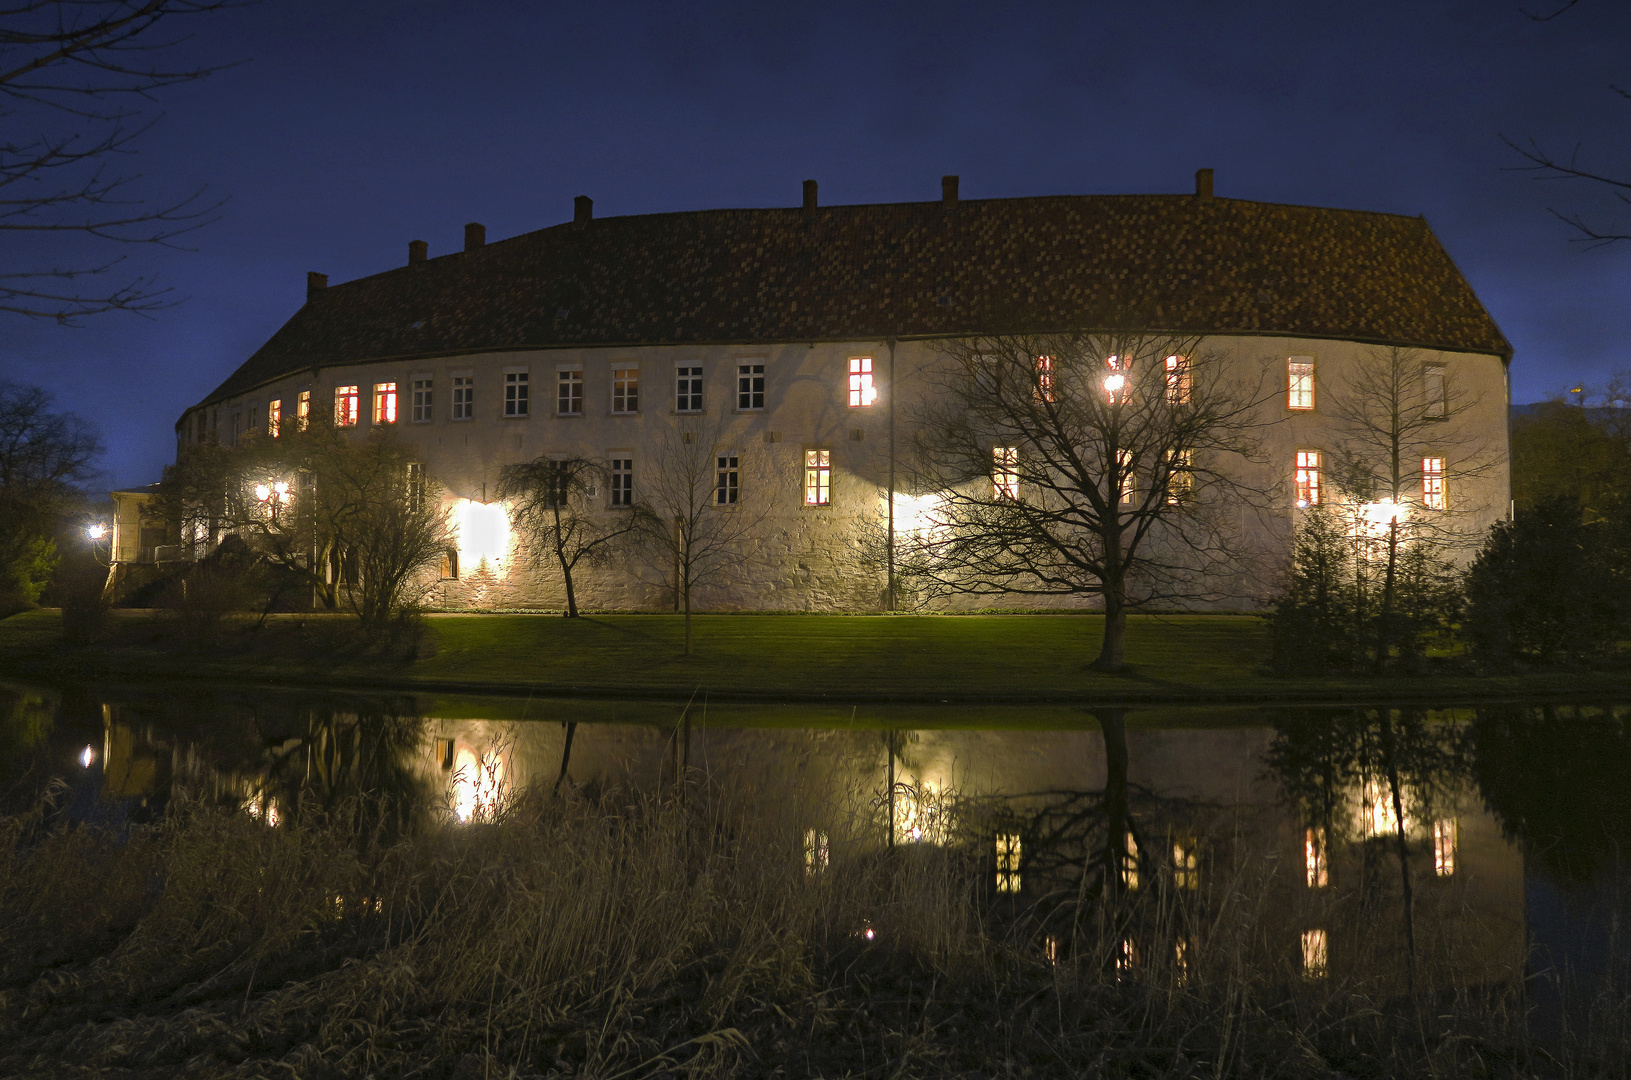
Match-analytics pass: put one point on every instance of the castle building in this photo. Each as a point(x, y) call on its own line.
point(795, 331)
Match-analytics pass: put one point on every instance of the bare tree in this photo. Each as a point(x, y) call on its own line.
point(76, 78)
point(44, 458)
point(549, 504)
point(1108, 465)
point(695, 511)
point(1405, 462)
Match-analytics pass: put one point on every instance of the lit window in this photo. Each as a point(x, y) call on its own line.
point(817, 477)
point(625, 390)
point(568, 393)
point(688, 389)
point(1178, 380)
point(1044, 380)
point(385, 403)
point(450, 565)
point(1129, 864)
point(622, 481)
point(1180, 476)
point(1432, 377)
point(1300, 383)
point(274, 417)
point(1008, 854)
point(517, 394)
point(1315, 861)
point(464, 397)
point(345, 406)
point(1186, 863)
point(750, 386)
point(861, 390)
point(1432, 483)
point(1308, 478)
point(416, 485)
point(302, 410)
point(422, 402)
point(1124, 474)
point(727, 480)
point(1005, 472)
point(815, 852)
point(1315, 954)
point(1444, 845)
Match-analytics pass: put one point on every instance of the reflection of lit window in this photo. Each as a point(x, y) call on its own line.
point(1044, 380)
point(1377, 817)
point(1126, 956)
point(1300, 383)
point(1005, 472)
point(1315, 860)
point(815, 851)
point(1183, 958)
point(1315, 954)
point(274, 417)
point(478, 785)
point(1444, 844)
point(1178, 380)
point(345, 406)
point(1180, 476)
point(817, 477)
point(1008, 851)
point(1129, 864)
point(861, 390)
point(1052, 948)
point(1432, 483)
point(1186, 864)
point(1308, 478)
point(385, 403)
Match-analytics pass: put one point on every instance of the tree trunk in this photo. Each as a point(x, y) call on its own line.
point(685, 593)
point(1384, 618)
point(1402, 848)
point(566, 576)
point(566, 755)
point(1113, 728)
point(1112, 650)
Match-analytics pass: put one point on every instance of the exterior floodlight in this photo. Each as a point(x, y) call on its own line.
point(87, 757)
point(281, 487)
point(262, 492)
point(97, 531)
point(1114, 383)
point(1381, 513)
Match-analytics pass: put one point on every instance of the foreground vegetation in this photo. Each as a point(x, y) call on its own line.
point(925, 659)
point(627, 936)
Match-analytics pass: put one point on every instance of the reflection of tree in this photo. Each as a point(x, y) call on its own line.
point(1556, 778)
point(1331, 761)
point(351, 763)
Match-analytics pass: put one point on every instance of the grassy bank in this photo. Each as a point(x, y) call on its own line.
point(640, 937)
point(969, 659)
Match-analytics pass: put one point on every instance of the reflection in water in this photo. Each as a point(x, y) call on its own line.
point(1393, 849)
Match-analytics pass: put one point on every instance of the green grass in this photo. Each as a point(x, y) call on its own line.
point(836, 660)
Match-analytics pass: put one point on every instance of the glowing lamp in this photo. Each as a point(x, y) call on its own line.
point(87, 757)
point(483, 534)
point(97, 531)
point(1381, 513)
point(262, 492)
point(1114, 383)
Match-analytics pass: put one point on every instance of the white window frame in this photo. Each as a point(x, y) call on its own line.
point(620, 492)
point(463, 404)
point(1435, 403)
point(745, 377)
point(517, 393)
point(817, 476)
point(727, 478)
point(423, 391)
point(1301, 374)
point(688, 387)
point(1005, 472)
point(1432, 483)
point(569, 377)
point(1307, 466)
point(862, 390)
point(625, 388)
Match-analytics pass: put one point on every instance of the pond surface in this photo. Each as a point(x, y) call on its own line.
point(1453, 847)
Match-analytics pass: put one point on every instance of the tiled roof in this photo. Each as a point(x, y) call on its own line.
point(1170, 262)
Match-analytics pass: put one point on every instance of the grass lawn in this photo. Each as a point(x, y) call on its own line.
point(964, 659)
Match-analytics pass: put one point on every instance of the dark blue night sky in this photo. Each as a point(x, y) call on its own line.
point(351, 128)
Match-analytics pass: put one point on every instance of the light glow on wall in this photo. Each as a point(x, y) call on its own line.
point(916, 513)
point(483, 536)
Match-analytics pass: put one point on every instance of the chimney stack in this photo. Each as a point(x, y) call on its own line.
point(948, 190)
point(475, 235)
point(583, 209)
point(315, 283)
point(809, 195)
point(418, 251)
point(1203, 183)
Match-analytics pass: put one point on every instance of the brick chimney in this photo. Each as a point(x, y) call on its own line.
point(475, 235)
point(418, 251)
point(583, 209)
point(948, 190)
point(315, 283)
point(809, 195)
point(1203, 183)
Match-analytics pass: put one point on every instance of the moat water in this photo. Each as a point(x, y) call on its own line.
point(1463, 846)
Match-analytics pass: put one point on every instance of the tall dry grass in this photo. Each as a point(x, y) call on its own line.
point(624, 935)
